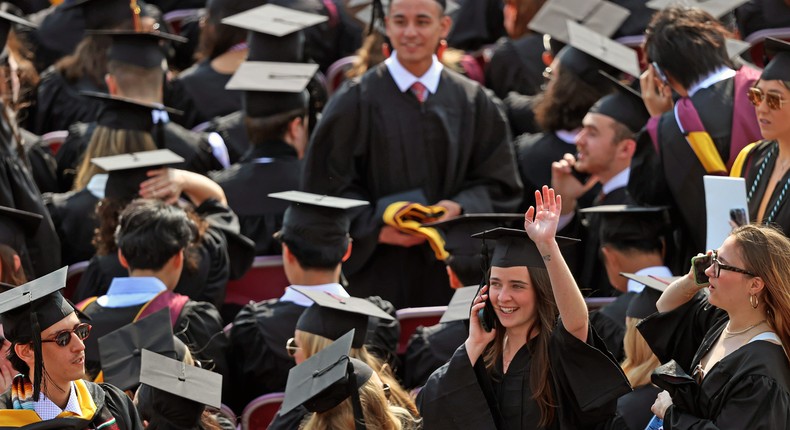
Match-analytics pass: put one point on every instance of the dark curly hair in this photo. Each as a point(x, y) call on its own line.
point(565, 102)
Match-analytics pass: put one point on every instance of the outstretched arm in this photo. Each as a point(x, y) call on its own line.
point(541, 225)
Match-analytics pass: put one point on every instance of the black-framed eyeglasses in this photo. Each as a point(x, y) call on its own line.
point(757, 96)
point(63, 337)
point(292, 347)
point(718, 266)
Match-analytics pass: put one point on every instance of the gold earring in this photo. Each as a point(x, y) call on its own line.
point(754, 301)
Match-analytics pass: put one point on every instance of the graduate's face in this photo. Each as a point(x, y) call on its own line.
point(513, 296)
point(595, 144)
point(774, 123)
point(63, 364)
point(415, 28)
point(730, 290)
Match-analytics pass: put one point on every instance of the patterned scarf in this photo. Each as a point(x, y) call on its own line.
point(22, 393)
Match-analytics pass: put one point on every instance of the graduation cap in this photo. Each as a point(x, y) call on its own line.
point(625, 106)
point(29, 309)
point(321, 220)
point(778, 60)
point(643, 304)
point(603, 48)
point(271, 88)
point(515, 248)
point(717, 8)
point(177, 385)
point(460, 305)
point(8, 18)
point(326, 379)
point(628, 224)
point(106, 14)
point(735, 47)
point(17, 222)
point(601, 16)
point(330, 315)
point(142, 49)
point(120, 351)
point(127, 171)
point(123, 113)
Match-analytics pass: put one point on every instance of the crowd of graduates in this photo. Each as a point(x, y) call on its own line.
point(537, 166)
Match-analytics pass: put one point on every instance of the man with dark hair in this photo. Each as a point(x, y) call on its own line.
point(702, 132)
point(410, 130)
point(152, 238)
point(315, 241)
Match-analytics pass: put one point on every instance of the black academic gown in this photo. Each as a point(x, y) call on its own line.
point(536, 152)
point(60, 104)
point(232, 130)
point(259, 361)
point(633, 409)
point(778, 210)
point(748, 389)
point(429, 348)
point(760, 15)
point(200, 93)
point(586, 383)
point(267, 168)
point(74, 217)
point(42, 164)
point(476, 23)
point(516, 65)
point(378, 144)
point(110, 403)
point(40, 253)
point(609, 323)
point(192, 146)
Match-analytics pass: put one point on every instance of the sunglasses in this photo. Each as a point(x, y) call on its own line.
point(756, 96)
point(719, 266)
point(63, 337)
point(291, 347)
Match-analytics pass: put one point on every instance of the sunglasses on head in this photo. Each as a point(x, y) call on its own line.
point(63, 337)
point(756, 96)
point(291, 347)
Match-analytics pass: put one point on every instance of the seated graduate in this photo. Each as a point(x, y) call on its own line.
point(217, 252)
point(326, 321)
point(11, 271)
point(343, 393)
point(631, 241)
point(726, 366)
point(315, 241)
point(17, 228)
point(152, 239)
point(45, 333)
point(532, 369)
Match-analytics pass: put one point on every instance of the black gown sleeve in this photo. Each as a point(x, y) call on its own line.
point(122, 408)
point(289, 421)
point(200, 328)
point(383, 335)
point(429, 348)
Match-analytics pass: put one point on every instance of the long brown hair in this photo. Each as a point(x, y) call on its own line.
point(565, 102)
point(540, 368)
point(766, 252)
point(89, 60)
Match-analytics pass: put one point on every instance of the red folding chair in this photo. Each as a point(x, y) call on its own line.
point(757, 40)
point(411, 318)
point(336, 73)
point(260, 412)
point(73, 277)
point(265, 280)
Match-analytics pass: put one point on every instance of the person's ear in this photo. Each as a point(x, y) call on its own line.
point(287, 254)
point(122, 260)
point(445, 23)
point(112, 84)
point(627, 148)
point(348, 251)
point(17, 263)
point(25, 352)
point(757, 286)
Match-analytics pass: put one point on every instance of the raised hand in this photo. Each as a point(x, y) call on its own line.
point(540, 221)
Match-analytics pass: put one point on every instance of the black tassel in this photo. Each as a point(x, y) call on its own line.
point(38, 357)
point(353, 392)
point(376, 14)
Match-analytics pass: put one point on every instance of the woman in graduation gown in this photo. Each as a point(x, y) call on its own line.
point(728, 367)
point(533, 370)
point(766, 164)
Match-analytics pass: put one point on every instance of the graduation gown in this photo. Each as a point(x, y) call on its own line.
point(59, 104)
point(586, 383)
point(200, 93)
point(536, 152)
point(633, 409)
point(74, 217)
point(516, 65)
point(760, 15)
point(476, 23)
point(42, 164)
point(267, 168)
point(192, 146)
point(110, 403)
point(257, 355)
point(609, 323)
point(749, 388)
point(429, 348)
point(232, 130)
point(766, 152)
point(378, 144)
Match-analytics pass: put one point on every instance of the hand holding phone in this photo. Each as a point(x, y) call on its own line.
point(699, 264)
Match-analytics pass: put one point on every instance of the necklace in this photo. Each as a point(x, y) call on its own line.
point(728, 333)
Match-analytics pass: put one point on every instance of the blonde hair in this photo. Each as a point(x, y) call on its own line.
point(108, 141)
point(639, 359)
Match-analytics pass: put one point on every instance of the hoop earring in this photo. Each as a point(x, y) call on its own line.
point(441, 49)
point(754, 301)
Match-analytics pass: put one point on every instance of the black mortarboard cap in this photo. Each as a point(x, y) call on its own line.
point(183, 381)
point(127, 171)
point(121, 350)
point(271, 88)
point(326, 379)
point(123, 113)
point(105, 14)
point(625, 106)
point(330, 315)
point(9, 16)
point(515, 248)
point(625, 224)
point(778, 60)
point(604, 17)
point(643, 304)
point(717, 8)
point(321, 220)
point(584, 66)
point(142, 49)
point(24, 222)
point(460, 305)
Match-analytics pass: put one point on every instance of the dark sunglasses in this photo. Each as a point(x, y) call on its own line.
point(63, 337)
point(756, 96)
point(291, 347)
point(719, 266)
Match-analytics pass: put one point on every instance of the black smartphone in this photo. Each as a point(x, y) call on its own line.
point(580, 176)
point(487, 316)
point(699, 264)
point(738, 216)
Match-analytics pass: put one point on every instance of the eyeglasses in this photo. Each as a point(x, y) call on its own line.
point(756, 96)
point(718, 266)
point(63, 337)
point(292, 347)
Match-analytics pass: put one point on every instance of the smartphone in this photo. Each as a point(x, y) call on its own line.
point(699, 264)
point(738, 216)
point(580, 176)
point(660, 73)
point(487, 316)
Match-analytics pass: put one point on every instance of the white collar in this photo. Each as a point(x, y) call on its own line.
point(404, 79)
point(567, 136)
point(719, 75)
point(300, 299)
point(659, 271)
point(47, 409)
point(97, 184)
point(619, 180)
point(131, 291)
